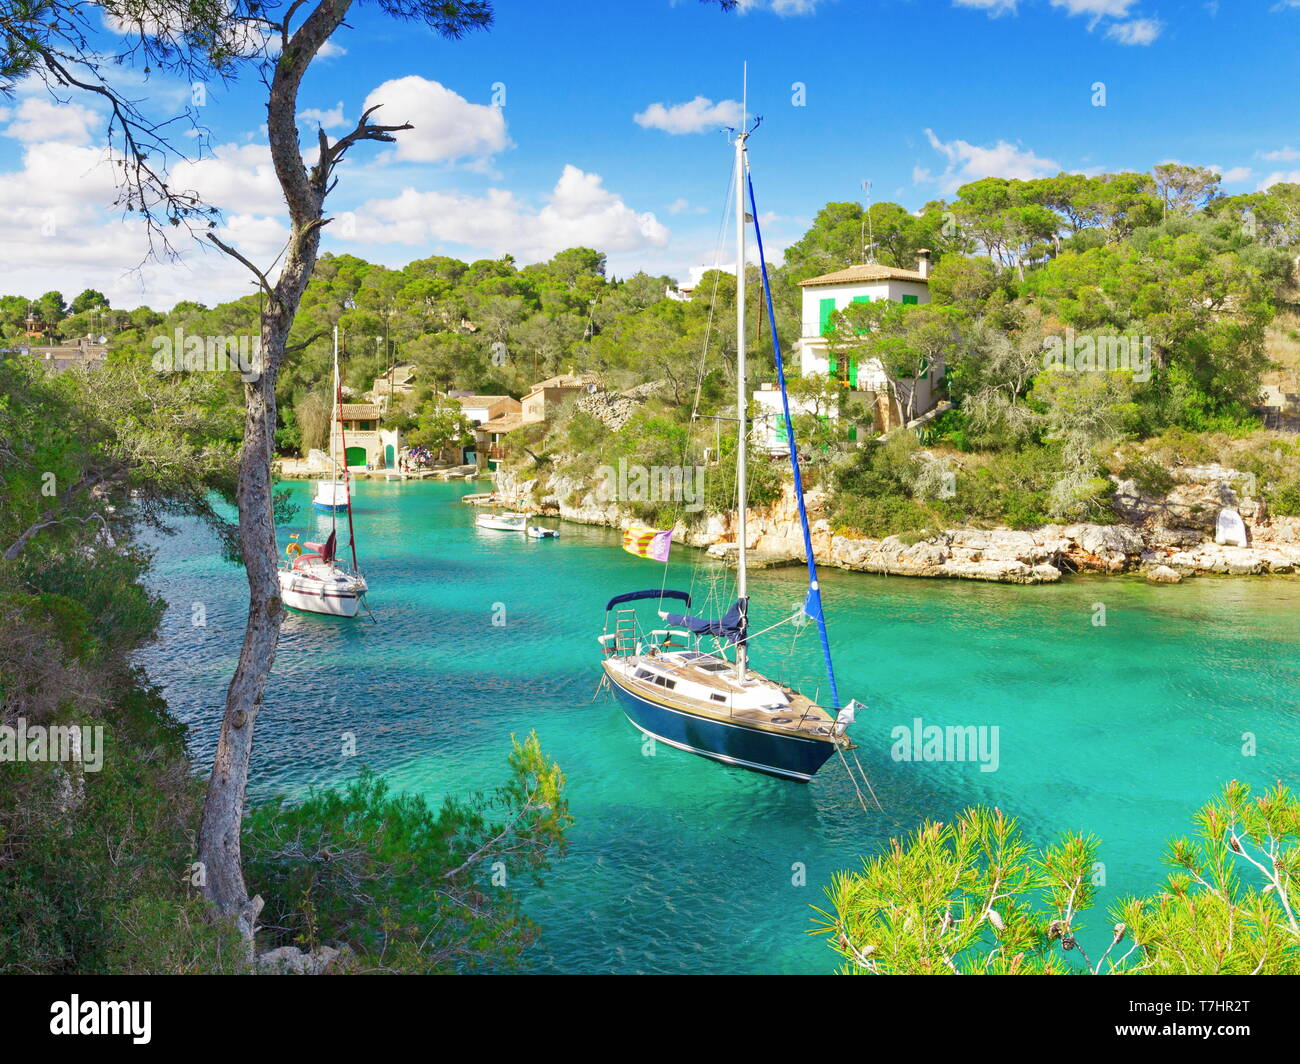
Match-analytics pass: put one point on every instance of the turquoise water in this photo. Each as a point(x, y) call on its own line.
point(677, 864)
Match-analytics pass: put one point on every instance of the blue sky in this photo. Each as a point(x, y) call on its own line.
point(916, 96)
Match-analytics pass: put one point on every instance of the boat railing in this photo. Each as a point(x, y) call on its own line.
point(670, 638)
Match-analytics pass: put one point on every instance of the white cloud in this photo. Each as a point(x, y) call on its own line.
point(1282, 155)
point(331, 119)
point(783, 8)
point(1235, 174)
point(1290, 177)
point(995, 8)
point(970, 162)
point(1136, 31)
point(234, 177)
point(579, 211)
point(67, 233)
point(681, 205)
point(257, 237)
point(37, 118)
point(1141, 31)
point(1096, 8)
point(447, 126)
point(695, 116)
point(330, 50)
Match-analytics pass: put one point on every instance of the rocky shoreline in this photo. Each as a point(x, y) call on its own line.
point(1165, 538)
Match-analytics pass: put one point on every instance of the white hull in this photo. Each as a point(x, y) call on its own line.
point(502, 522)
point(321, 589)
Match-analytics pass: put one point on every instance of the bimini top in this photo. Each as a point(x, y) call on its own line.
point(654, 592)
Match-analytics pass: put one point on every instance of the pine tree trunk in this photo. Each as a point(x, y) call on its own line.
point(304, 192)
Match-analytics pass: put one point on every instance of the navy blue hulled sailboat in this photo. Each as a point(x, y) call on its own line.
point(671, 687)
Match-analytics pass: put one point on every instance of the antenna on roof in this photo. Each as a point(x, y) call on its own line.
point(868, 250)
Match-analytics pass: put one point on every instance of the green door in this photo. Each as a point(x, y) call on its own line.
point(388, 457)
point(356, 456)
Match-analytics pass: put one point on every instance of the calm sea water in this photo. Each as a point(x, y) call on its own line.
point(677, 864)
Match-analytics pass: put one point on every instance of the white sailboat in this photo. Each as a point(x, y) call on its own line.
point(312, 580)
point(311, 577)
point(677, 689)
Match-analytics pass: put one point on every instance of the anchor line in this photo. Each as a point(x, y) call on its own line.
point(852, 779)
point(863, 773)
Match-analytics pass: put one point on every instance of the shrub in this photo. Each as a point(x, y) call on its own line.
point(408, 886)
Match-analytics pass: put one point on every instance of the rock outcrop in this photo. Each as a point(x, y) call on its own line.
point(1165, 538)
point(290, 960)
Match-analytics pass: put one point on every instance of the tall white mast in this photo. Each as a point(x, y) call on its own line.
point(742, 404)
point(334, 421)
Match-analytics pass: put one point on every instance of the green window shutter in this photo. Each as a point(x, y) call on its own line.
point(834, 365)
point(909, 301)
point(827, 308)
point(853, 373)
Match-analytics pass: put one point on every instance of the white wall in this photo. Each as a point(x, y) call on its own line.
point(844, 294)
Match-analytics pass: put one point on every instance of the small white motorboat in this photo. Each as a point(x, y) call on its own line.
point(538, 532)
point(507, 522)
point(332, 496)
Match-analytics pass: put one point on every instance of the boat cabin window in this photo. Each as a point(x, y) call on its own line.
point(654, 677)
point(718, 698)
point(714, 666)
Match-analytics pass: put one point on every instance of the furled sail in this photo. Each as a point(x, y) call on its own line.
point(730, 626)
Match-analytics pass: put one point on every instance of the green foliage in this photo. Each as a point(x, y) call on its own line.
point(764, 477)
point(1276, 466)
point(173, 936)
point(895, 487)
point(1013, 488)
point(1151, 477)
point(409, 887)
point(441, 426)
point(974, 896)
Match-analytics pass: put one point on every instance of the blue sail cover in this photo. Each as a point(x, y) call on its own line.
point(813, 603)
point(731, 626)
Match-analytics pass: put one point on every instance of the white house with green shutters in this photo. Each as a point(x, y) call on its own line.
point(831, 292)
